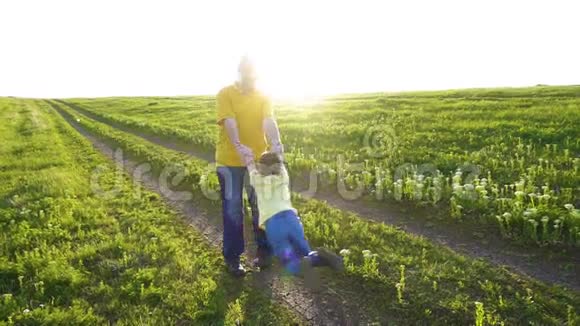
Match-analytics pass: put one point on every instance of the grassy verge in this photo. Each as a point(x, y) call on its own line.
point(69, 256)
point(401, 278)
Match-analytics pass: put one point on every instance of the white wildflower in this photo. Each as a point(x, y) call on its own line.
point(345, 252)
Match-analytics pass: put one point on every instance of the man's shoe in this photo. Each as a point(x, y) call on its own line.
point(330, 259)
point(236, 269)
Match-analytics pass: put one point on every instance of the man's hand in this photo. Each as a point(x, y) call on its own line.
point(243, 150)
point(246, 153)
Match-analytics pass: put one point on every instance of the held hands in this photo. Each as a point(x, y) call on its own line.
point(246, 153)
point(277, 148)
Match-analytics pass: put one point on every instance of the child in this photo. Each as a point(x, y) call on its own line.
point(284, 230)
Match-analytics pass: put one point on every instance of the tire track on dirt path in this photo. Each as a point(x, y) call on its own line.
point(327, 307)
point(545, 265)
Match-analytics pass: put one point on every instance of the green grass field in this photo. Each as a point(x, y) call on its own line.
point(130, 260)
point(71, 257)
point(507, 157)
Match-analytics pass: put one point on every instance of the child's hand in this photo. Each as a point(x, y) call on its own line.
point(248, 160)
point(243, 150)
point(277, 148)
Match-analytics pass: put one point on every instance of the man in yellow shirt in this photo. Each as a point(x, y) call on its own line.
point(246, 123)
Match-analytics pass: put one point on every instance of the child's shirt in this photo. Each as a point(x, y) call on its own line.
point(273, 193)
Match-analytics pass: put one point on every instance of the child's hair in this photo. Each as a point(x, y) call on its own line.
point(270, 163)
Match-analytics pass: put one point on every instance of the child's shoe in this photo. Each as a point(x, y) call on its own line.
point(262, 263)
point(328, 258)
point(263, 259)
point(311, 277)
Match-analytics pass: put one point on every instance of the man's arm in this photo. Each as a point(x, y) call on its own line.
point(273, 135)
point(226, 117)
point(232, 130)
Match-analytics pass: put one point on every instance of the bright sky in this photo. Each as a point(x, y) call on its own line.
point(108, 48)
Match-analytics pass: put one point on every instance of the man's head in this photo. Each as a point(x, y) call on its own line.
point(247, 72)
point(270, 163)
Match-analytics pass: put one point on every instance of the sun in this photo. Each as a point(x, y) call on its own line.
point(298, 84)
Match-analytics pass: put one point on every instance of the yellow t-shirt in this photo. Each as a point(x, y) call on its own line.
point(249, 110)
point(272, 192)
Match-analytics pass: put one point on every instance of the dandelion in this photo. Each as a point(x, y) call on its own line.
point(530, 212)
point(533, 233)
point(345, 252)
point(398, 190)
point(533, 196)
point(479, 313)
point(457, 177)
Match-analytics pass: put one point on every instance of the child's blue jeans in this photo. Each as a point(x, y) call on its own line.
point(285, 235)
